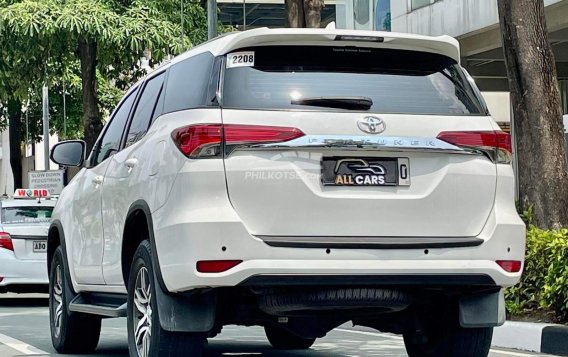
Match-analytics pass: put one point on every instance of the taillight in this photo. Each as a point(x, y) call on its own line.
point(206, 140)
point(510, 266)
point(495, 144)
point(6, 241)
point(199, 140)
point(216, 266)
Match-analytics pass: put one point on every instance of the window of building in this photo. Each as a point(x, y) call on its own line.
point(382, 15)
point(417, 4)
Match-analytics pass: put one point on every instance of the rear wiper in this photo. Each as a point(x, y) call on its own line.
point(352, 103)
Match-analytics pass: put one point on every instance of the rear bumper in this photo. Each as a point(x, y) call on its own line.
point(195, 241)
point(206, 227)
point(21, 272)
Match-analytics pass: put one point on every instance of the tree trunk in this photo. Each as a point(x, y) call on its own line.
point(91, 121)
point(295, 13)
point(543, 176)
point(15, 135)
point(312, 12)
point(304, 13)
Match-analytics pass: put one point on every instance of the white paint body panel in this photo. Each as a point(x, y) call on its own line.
point(280, 192)
point(210, 215)
point(150, 180)
point(85, 225)
point(198, 207)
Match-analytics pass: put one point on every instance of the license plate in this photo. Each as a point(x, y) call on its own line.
point(341, 171)
point(40, 246)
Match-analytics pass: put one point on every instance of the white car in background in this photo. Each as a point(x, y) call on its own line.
point(24, 222)
point(294, 179)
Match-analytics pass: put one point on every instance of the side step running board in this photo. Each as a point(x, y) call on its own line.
point(107, 305)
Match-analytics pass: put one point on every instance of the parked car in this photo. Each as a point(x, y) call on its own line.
point(294, 179)
point(24, 222)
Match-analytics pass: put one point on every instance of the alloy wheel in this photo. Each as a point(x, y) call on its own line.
point(142, 313)
point(58, 299)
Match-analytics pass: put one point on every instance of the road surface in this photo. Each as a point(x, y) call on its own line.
point(24, 330)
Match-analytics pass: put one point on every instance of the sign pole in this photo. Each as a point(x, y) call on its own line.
point(211, 19)
point(45, 105)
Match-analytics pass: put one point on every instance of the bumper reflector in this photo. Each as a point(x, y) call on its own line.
point(216, 266)
point(510, 266)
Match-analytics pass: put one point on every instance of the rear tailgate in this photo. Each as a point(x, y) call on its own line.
point(278, 190)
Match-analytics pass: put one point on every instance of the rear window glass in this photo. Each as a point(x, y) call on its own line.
point(26, 214)
point(397, 81)
point(187, 83)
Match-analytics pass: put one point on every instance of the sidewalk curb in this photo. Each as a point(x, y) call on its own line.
point(535, 337)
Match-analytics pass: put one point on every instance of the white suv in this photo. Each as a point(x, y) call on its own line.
point(293, 179)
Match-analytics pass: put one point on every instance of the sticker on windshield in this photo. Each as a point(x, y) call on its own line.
point(240, 59)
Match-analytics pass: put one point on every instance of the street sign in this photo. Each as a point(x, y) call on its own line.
point(48, 180)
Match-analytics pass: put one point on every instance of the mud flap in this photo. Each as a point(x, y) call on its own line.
point(482, 310)
point(186, 312)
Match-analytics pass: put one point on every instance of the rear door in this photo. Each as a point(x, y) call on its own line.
point(86, 227)
point(361, 169)
point(125, 178)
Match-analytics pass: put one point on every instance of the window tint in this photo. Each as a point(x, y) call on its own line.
point(187, 83)
point(397, 81)
point(144, 109)
point(159, 105)
point(110, 143)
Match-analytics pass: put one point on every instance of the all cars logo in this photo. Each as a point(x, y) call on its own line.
point(359, 172)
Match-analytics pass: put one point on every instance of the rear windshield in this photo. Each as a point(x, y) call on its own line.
point(12, 215)
point(397, 81)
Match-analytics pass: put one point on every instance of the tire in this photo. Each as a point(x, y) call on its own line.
point(334, 299)
point(444, 337)
point(142, 305)
point(284, 340)
point(71, 332)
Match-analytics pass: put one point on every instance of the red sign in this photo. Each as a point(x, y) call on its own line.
point(29, 193)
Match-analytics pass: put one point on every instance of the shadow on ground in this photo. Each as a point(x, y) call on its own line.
point(221, 348)
point(23, 301)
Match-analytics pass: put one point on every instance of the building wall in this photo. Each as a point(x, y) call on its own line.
point(6, 177)
point(29, 163)
point(498, 104)
point(447, 17)
point(39, 154)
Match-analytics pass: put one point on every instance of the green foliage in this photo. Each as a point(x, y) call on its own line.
point(556, 281)
point(544, 285)
point(38, 44)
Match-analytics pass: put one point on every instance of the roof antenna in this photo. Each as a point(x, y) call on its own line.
point(330, 26)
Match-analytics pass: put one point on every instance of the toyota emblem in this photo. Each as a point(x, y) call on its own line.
point(371, 125)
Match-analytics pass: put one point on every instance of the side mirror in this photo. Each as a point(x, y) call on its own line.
point(69, 153)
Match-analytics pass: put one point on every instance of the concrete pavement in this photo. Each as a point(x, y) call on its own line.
point(24, 330)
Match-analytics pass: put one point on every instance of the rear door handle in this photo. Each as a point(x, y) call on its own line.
point(97, 180)
point(130, 163)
